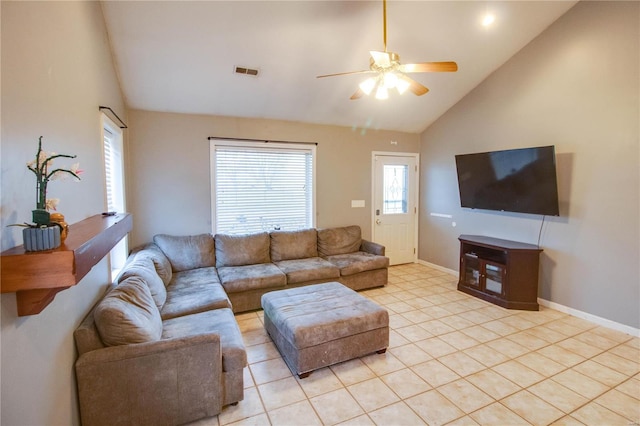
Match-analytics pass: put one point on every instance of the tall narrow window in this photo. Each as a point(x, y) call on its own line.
point(262, 187)
point(114, 185)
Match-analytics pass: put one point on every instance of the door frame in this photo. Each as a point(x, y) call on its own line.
point(416, 184)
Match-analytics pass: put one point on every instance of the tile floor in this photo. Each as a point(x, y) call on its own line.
point(452, 359)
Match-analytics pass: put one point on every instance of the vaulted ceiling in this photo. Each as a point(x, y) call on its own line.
point(180, 56)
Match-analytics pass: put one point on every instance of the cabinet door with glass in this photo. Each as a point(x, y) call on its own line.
point(493, 277)
point(472, 270)
point(483, 275)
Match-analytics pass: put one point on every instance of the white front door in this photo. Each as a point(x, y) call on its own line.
point(395, 181)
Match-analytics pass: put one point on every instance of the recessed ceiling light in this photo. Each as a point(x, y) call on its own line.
point(488, 19)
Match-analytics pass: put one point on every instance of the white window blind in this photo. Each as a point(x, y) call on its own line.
point(114, 185)
point(114, 174)
point(262, 188)
point(108, 167)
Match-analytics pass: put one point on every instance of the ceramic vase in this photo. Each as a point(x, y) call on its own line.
point(42, 238)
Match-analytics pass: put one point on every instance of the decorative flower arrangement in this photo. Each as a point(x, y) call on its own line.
point(48, 230)
point(43, 168)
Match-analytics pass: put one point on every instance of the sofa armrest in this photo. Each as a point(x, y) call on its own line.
point(171, 381)
point(371, 247)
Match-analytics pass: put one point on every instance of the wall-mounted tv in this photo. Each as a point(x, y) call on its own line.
point(514, 180)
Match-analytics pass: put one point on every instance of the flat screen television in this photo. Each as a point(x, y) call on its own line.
point(515, 180)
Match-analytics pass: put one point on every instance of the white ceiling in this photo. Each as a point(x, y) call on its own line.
point(180, 56)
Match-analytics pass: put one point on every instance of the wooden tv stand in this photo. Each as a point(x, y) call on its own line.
point(502, 272)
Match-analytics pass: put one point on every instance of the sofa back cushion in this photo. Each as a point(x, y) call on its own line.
point(332, 241)
point(160, 261)
point(290, 245)
point(240, 250)
point(128, 315)
point(142, 267)
point(187, 252)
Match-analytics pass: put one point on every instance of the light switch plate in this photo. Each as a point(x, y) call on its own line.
point(357, 203)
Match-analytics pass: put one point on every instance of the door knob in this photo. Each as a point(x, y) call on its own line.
point(378, 222)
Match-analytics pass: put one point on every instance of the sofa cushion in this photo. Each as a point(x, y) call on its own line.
point(160, 261)
point(236, 279)
point(353, 263)
point(128, 315)
point(187, 252)
point(332, 241)
point(301, 270)
point(288, 245)
point(142, 266)
point(240, 250)
point(219, 321)
point(194, 291)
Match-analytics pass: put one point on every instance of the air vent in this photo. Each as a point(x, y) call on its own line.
point(247, 71)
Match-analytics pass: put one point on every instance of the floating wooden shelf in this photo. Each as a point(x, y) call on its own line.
point(36, 277)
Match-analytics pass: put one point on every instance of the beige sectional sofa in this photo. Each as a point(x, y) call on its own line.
point(163, 346)
point(252, 265)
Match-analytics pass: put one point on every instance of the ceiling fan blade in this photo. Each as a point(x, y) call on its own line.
point(381, 59)
point(430, 67)
point(357, 95)
point(417, 88)
point(344, 73)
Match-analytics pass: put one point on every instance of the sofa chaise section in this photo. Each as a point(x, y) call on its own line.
point(189, 370)
point(162, 346)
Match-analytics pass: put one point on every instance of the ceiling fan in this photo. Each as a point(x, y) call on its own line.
point(390, 73)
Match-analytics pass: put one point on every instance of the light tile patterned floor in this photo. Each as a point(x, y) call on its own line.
point(453, 359)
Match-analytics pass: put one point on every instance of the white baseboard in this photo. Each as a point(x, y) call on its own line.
point(438, 267)
point(558, 307)
point(591, 318)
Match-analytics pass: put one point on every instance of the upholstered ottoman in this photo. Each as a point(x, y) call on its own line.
point(318, 325)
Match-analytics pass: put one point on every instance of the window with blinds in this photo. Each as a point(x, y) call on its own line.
point(113, 172)
point(114, 185)
point(262, 187)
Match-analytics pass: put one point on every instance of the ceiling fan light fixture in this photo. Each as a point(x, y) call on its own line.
point(390, 80)
point(382, 92)
point(390, 73)
point(402, 85)
point(368, 85)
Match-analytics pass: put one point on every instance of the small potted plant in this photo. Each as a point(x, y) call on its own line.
point(44, 233)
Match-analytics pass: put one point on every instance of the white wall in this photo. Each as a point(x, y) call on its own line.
point(169, 173)
point(56, 70)
point(576, 86)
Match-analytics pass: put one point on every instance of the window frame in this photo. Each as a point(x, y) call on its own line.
point(260, 145)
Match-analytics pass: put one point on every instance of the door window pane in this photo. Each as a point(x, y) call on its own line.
point(395, 189)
